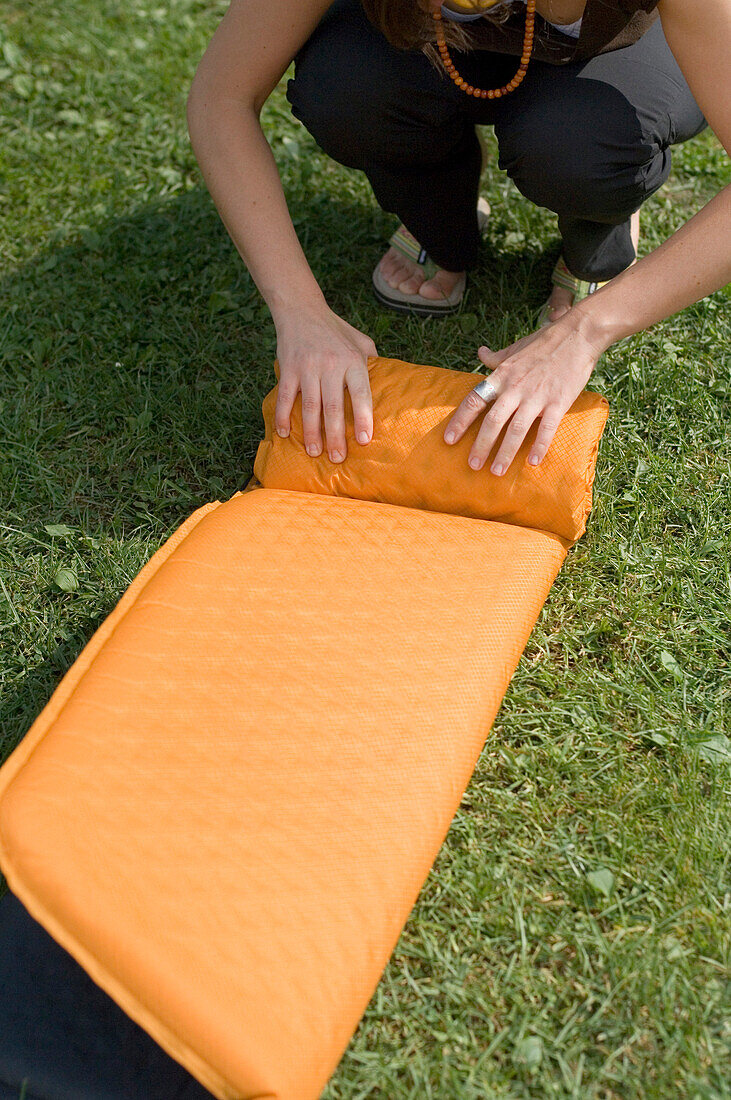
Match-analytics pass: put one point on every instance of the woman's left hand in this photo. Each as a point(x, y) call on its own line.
point(538, 376)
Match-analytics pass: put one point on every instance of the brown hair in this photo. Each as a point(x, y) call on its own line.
point(403, 22)
point(407, 27)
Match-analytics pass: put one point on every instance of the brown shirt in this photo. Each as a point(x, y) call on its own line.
point(606, 25)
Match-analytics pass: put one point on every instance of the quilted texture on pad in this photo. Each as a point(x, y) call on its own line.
point(228, 808)
point(407, 461)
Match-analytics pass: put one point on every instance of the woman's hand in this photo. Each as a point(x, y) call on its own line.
point(320, 354)
point(538, 376)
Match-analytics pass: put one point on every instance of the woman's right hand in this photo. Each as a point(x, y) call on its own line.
point(320, 355)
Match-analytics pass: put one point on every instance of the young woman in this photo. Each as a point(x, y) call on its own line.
point(590, 102)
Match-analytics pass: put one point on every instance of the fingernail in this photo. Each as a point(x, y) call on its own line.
point(283, 432)
point(474, 462)
point(534, 460)
point(313, 450)
point(449, 437)
point(336, 456)
point(498, 470)
point(362, 437)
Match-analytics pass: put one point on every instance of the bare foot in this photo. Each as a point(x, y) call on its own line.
point(405, 275)
point(562, 299)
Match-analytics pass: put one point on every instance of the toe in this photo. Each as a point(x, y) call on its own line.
point(389, 263)
point(403, 274)
point(561, 301)
point(441, 286)
point(411, 283)
point(432, 290)
point(397, 270)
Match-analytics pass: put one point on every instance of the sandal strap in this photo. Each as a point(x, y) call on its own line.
point(580, 288)
point(405, 243)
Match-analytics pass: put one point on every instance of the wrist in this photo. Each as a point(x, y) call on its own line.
point(285, 306)
point(597, 322)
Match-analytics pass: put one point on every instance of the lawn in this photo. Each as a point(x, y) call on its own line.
point(572, 939)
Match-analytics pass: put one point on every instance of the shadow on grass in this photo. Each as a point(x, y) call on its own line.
point(136, 358)
point(133, 362)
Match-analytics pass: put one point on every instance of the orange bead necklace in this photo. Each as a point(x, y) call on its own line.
point(489, 93)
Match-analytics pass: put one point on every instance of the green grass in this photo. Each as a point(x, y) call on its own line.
point(572, 939)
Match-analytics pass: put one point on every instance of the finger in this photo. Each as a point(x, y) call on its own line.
point(287, 391)
point(492, 424)
point(311, 406)
point(520, 424)
point(492, 359)
point(552, 417)
point(333, 406)
point(359, 388)
point(466, 413)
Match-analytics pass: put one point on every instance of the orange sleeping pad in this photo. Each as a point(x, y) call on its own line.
point(228, 808)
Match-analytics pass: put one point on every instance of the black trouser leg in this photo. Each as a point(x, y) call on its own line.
point(392, 114)
point(590, 141)
point(61, 1034)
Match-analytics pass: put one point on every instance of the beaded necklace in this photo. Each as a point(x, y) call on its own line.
point(488, 93)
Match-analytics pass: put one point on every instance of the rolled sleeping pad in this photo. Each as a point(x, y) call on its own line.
point(228, 808)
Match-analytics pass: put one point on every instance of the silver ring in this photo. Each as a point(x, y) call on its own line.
point(486, 390)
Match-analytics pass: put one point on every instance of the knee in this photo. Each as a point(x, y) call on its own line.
point(338, 92)
point(325, 107)
point(364, 102)
point(581, 170)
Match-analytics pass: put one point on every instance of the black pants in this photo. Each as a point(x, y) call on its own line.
point(589, 140)
point(63, 1036)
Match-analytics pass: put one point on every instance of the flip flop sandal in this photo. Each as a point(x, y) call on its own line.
point(393, 298)
point(580, 288)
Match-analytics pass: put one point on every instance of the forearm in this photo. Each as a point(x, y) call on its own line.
point(242, 177)
point(692, 263)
